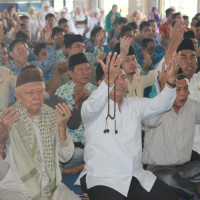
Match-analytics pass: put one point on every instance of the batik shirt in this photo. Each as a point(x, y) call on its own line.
point(66, 92)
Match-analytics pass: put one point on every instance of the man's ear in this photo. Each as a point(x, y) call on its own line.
point(17, 96)
point(99, 82)
point(71, 74)
point(67, 50)
point(11, 53)
point(36, 57)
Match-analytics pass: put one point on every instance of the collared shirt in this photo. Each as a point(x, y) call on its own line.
point(66, 92)
point(194, 89)
point(2, 103)
point(156, 57)
point(164, 28)
point(112, 159)
point(11, 182)
point(168, 138)
point(46, 67)
point(7, 81)
point(139, 83)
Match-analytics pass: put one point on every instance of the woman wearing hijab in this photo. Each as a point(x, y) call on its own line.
point(11, 17)
point(112, 18)
point(93, 19)
point(154, 14)
point(43, 12)
point(33, 21)
point(80, 20)
point(65, 14)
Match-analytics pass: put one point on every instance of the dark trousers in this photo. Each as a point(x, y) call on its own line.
point(185, 179)
point(159, 191)
point(195, 156)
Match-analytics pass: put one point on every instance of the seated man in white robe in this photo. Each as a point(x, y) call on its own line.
point(31, 147)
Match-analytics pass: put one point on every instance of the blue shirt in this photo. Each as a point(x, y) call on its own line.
point(46, 67)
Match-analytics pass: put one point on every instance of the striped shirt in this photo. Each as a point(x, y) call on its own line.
point(169, 137)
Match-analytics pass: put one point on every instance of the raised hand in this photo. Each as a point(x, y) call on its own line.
point(162, 77)
point(62, 66)
point(48, 33)
point(80, 94)
point(64, 115)
point(125, 43)
point(101, 56)
point(10, 116)
point(147, 60)
point(1, 33)
point(7, 119)
point(172, 69)
point(176, 34)
point(88, 46)
point(114, 67)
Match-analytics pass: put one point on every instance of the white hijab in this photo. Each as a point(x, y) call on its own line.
point(81, 16)
point(92, 21)
point(43, 13)
point(72, 27)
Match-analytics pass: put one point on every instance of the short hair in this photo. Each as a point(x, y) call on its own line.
point(95, 30)
point(197, 15)
point(38, 47)
point(185, 17)
point(56, 30)
point(151, 20)
point(180, 75)
point(10, 7)
point(196, 18)
point(175, 15)
point(100, 72)
point(133, 25)
point(3, 45)
point(165, 41)
point(122, 20)
point(145, 42)
point(125, 29)
point(62, 21)
point(21, 35)
point(50, 15)
point(198, 24)
point(24, 17)
point(168, 11)
point(29, 67)
point(143, 24)
point(5, 30)
point(14, 42)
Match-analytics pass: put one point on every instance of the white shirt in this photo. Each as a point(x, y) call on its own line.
point(11, 181)
point(112, 159)
point(194, 89)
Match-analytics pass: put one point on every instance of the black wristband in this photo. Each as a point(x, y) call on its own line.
point(172, 85)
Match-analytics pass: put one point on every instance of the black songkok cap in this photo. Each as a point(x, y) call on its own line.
point(188, 35)
point(71, 39)
point(117, 49)
point(29, 76)
point(186, 44)
point(76, 59)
